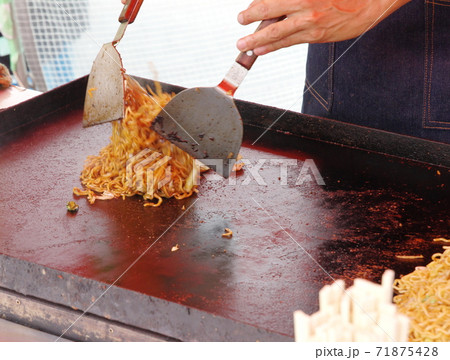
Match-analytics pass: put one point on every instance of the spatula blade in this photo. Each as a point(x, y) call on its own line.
point(104, 99)
point(205, 123)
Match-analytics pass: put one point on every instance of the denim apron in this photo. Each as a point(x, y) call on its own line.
point(396, 77)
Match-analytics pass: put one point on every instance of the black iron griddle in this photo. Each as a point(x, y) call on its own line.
point(385, 195)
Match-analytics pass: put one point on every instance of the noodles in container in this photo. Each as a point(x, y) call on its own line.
point(138, 161)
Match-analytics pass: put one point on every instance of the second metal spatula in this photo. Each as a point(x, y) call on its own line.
point(204, 122)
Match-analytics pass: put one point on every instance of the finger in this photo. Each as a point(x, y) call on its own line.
point(260, 10)
point(286, 42)
point(272, 33)
point(300, 37)
point(253, 3)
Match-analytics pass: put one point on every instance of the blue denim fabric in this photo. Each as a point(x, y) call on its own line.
point(395, 78)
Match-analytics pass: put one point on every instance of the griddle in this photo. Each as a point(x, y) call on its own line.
point(384, 195)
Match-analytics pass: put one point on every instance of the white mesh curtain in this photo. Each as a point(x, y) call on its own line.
point(47, 30)
point(183, 42)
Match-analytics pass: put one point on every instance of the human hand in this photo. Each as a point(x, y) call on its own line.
point(311, 21)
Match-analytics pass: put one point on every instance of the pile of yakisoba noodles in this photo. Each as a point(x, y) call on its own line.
point(138, 161)
point(424, 296)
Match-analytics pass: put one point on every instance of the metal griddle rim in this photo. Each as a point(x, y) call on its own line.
point(256, 116)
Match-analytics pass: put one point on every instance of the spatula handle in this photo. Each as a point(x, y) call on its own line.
point(130, 10)
point(247, 59)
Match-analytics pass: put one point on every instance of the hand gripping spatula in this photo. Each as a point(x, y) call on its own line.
point(204, 122)
point(104, 99)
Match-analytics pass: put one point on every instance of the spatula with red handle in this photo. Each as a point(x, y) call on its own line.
point(104, 99)
point(204, 122)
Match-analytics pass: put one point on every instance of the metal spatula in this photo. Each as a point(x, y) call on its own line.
point(204, 122)
point(104, 99)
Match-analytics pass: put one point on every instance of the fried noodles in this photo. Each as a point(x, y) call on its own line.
point(424, 296)
point(138, 161)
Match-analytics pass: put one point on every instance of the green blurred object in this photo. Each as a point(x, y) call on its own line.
point(8, 45)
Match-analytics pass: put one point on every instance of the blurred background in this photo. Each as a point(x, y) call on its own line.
point(182, 42)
